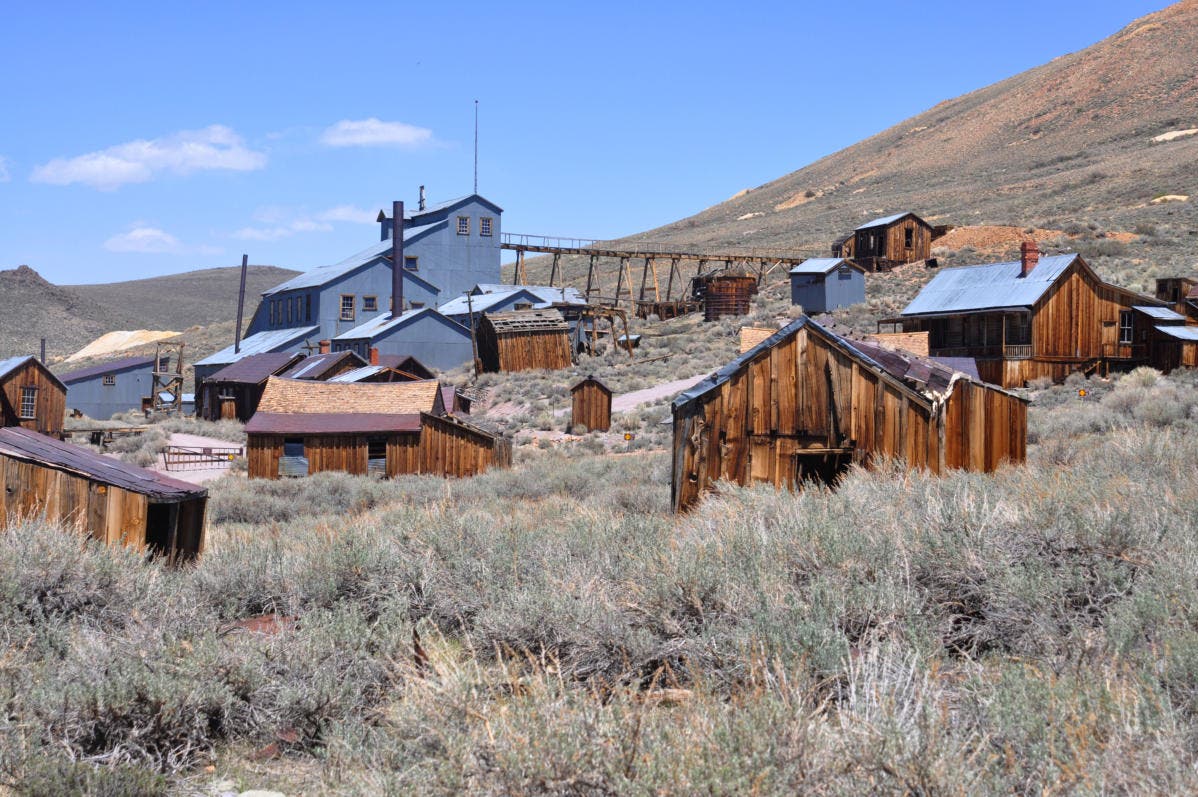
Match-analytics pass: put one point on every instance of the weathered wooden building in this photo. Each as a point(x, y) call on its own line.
point(104, 498)
point(101, 391)
point(887, 242)
point(30, 396)
point(805, 403)
point(724, 293)
point(1174, 346)
point(386, 429)
point(1033, 317)
point(824, 284)
point(1180, 293)
point(233, 392)
point(324, 366)
point(590, 405)
point(523, 340)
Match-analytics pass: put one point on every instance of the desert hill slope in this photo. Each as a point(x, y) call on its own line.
point(70, 316)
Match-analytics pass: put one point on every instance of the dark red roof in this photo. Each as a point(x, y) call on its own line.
point(331, 423)
point(110, 367)
point(39, 449)
point(255, 368)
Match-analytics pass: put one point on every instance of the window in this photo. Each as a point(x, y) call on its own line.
point(1125, 326)
point(411, 263)
point(308, 308)
point(522, 306)
point(844, 273)
point(28, 403)
point(347, 307)
point(909, 237)
point(109, 380)
point(287, 302)
point(463, 225)
point(271, 306)
point(484, 226)
point(415, 305)
point(370, 304)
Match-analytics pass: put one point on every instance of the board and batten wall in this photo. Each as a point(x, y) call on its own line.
point(50, 412)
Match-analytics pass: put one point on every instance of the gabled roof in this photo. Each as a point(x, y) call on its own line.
point(290, 406)
point(823, 265)
point(922, 377)
point(384, 324)
point(547, 320)
point(415, 216)
point(546, 293)
point(988, 287)
point(326, 274)
point(591, 380)
point(112, 367)
point(316, 366)
point(12, 364)
point(39, 449)
point(408, 364)
point(256, 369)
point(269, 341)
point(887, 220)
point(481, 303)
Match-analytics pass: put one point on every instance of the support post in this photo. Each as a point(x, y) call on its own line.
point(553, 271)
point(592, 286)
point(670, 282)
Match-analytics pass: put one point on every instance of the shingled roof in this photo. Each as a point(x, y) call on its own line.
point(306, 407)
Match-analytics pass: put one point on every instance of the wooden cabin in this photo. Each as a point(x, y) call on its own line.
point(590, 405)
point(1174, 346)
point(233, 392)
point(1181, 294)
point(843, 246)
point(386, 429)
point(1034, 317)
point(523, 340)
point(806, 403)
point(724, 293)
point(30, 396)
point(104, 498)
point(890, 241)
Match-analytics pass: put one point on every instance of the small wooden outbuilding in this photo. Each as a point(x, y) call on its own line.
point(805, 403)
point(724, 293)
point(387, 429)
point(523, 340)
point(233, 392)
point(591, 405)
point(890, 241)
point(30, 396)
point(102, 497)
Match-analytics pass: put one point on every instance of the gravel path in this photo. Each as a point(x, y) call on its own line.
point(627, 401)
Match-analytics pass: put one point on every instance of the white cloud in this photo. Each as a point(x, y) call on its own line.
point(280, 223)
point(147, 240)
point(4, 178)
point(214, 147)
point(375, 133)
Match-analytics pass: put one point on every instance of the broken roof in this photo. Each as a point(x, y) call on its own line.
point(256, 368)
point(39, 449)
point(113, 366)
point(544, 320)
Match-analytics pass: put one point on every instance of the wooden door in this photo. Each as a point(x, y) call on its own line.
point(228, 409)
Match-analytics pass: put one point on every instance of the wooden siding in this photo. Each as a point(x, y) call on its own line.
point(806, 399)
point(878, 248)
point(590, 406)
point(245, 400)
point(451, 448)
point(523, 351)
point(105, 513)
point(1067, 322)
point(51, 405)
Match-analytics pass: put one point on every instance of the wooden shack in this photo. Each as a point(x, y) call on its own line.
point(386, 429)
point(233, 392)
point(523, 340)
point(1180, 293)
point(102, 497)
point(30, 396)
point(725, 293)
point(806, 403)
point(889, 241)
point(590, 405)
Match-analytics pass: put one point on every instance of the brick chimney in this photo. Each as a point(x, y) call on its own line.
point(1029, 256)
point(325, 346)
point(374, 355)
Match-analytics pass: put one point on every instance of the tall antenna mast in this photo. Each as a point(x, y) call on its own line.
point(476, 146)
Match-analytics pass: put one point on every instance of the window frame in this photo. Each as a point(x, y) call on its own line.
point(1127, 327)
point(486, 226)
point(463, 226)
point(909, 238)
point(108, 380)
point(352, 306)
point(28, 399)
point(411, 262)
point(370, 304)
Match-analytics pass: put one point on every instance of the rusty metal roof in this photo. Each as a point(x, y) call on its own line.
point(332, 422)
point(39, 449)
point(256, 368)
point(111, 367)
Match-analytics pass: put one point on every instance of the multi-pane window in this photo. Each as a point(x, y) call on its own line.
point(484, 226)
point(28, 403)
point(411, 263)
point(109, 380)
point(370, 304)
point(347, 307)
point(463, 225)
point(1125, 326)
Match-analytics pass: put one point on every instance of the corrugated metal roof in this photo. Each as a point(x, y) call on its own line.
point(545, 293)
point(988, 287)
point(256, 368)
point(318, 364)
point(884, 220)
point(326, 274)
point(820, 265)
point(358, 374)
point(114, 366)
point(263, 342)
point(30, 446)
point(331, 423)
point(385, 323)
point(1159, 313)
point(1189, 334)
point(484, 302)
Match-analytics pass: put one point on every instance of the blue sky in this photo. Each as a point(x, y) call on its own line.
point(149, 138)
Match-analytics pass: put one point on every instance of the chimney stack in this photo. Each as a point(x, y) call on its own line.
point(374, 355)
point(422, 205)
point(396, 259)
point(43, 351)
point(1029, 256)
point(326, 346)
